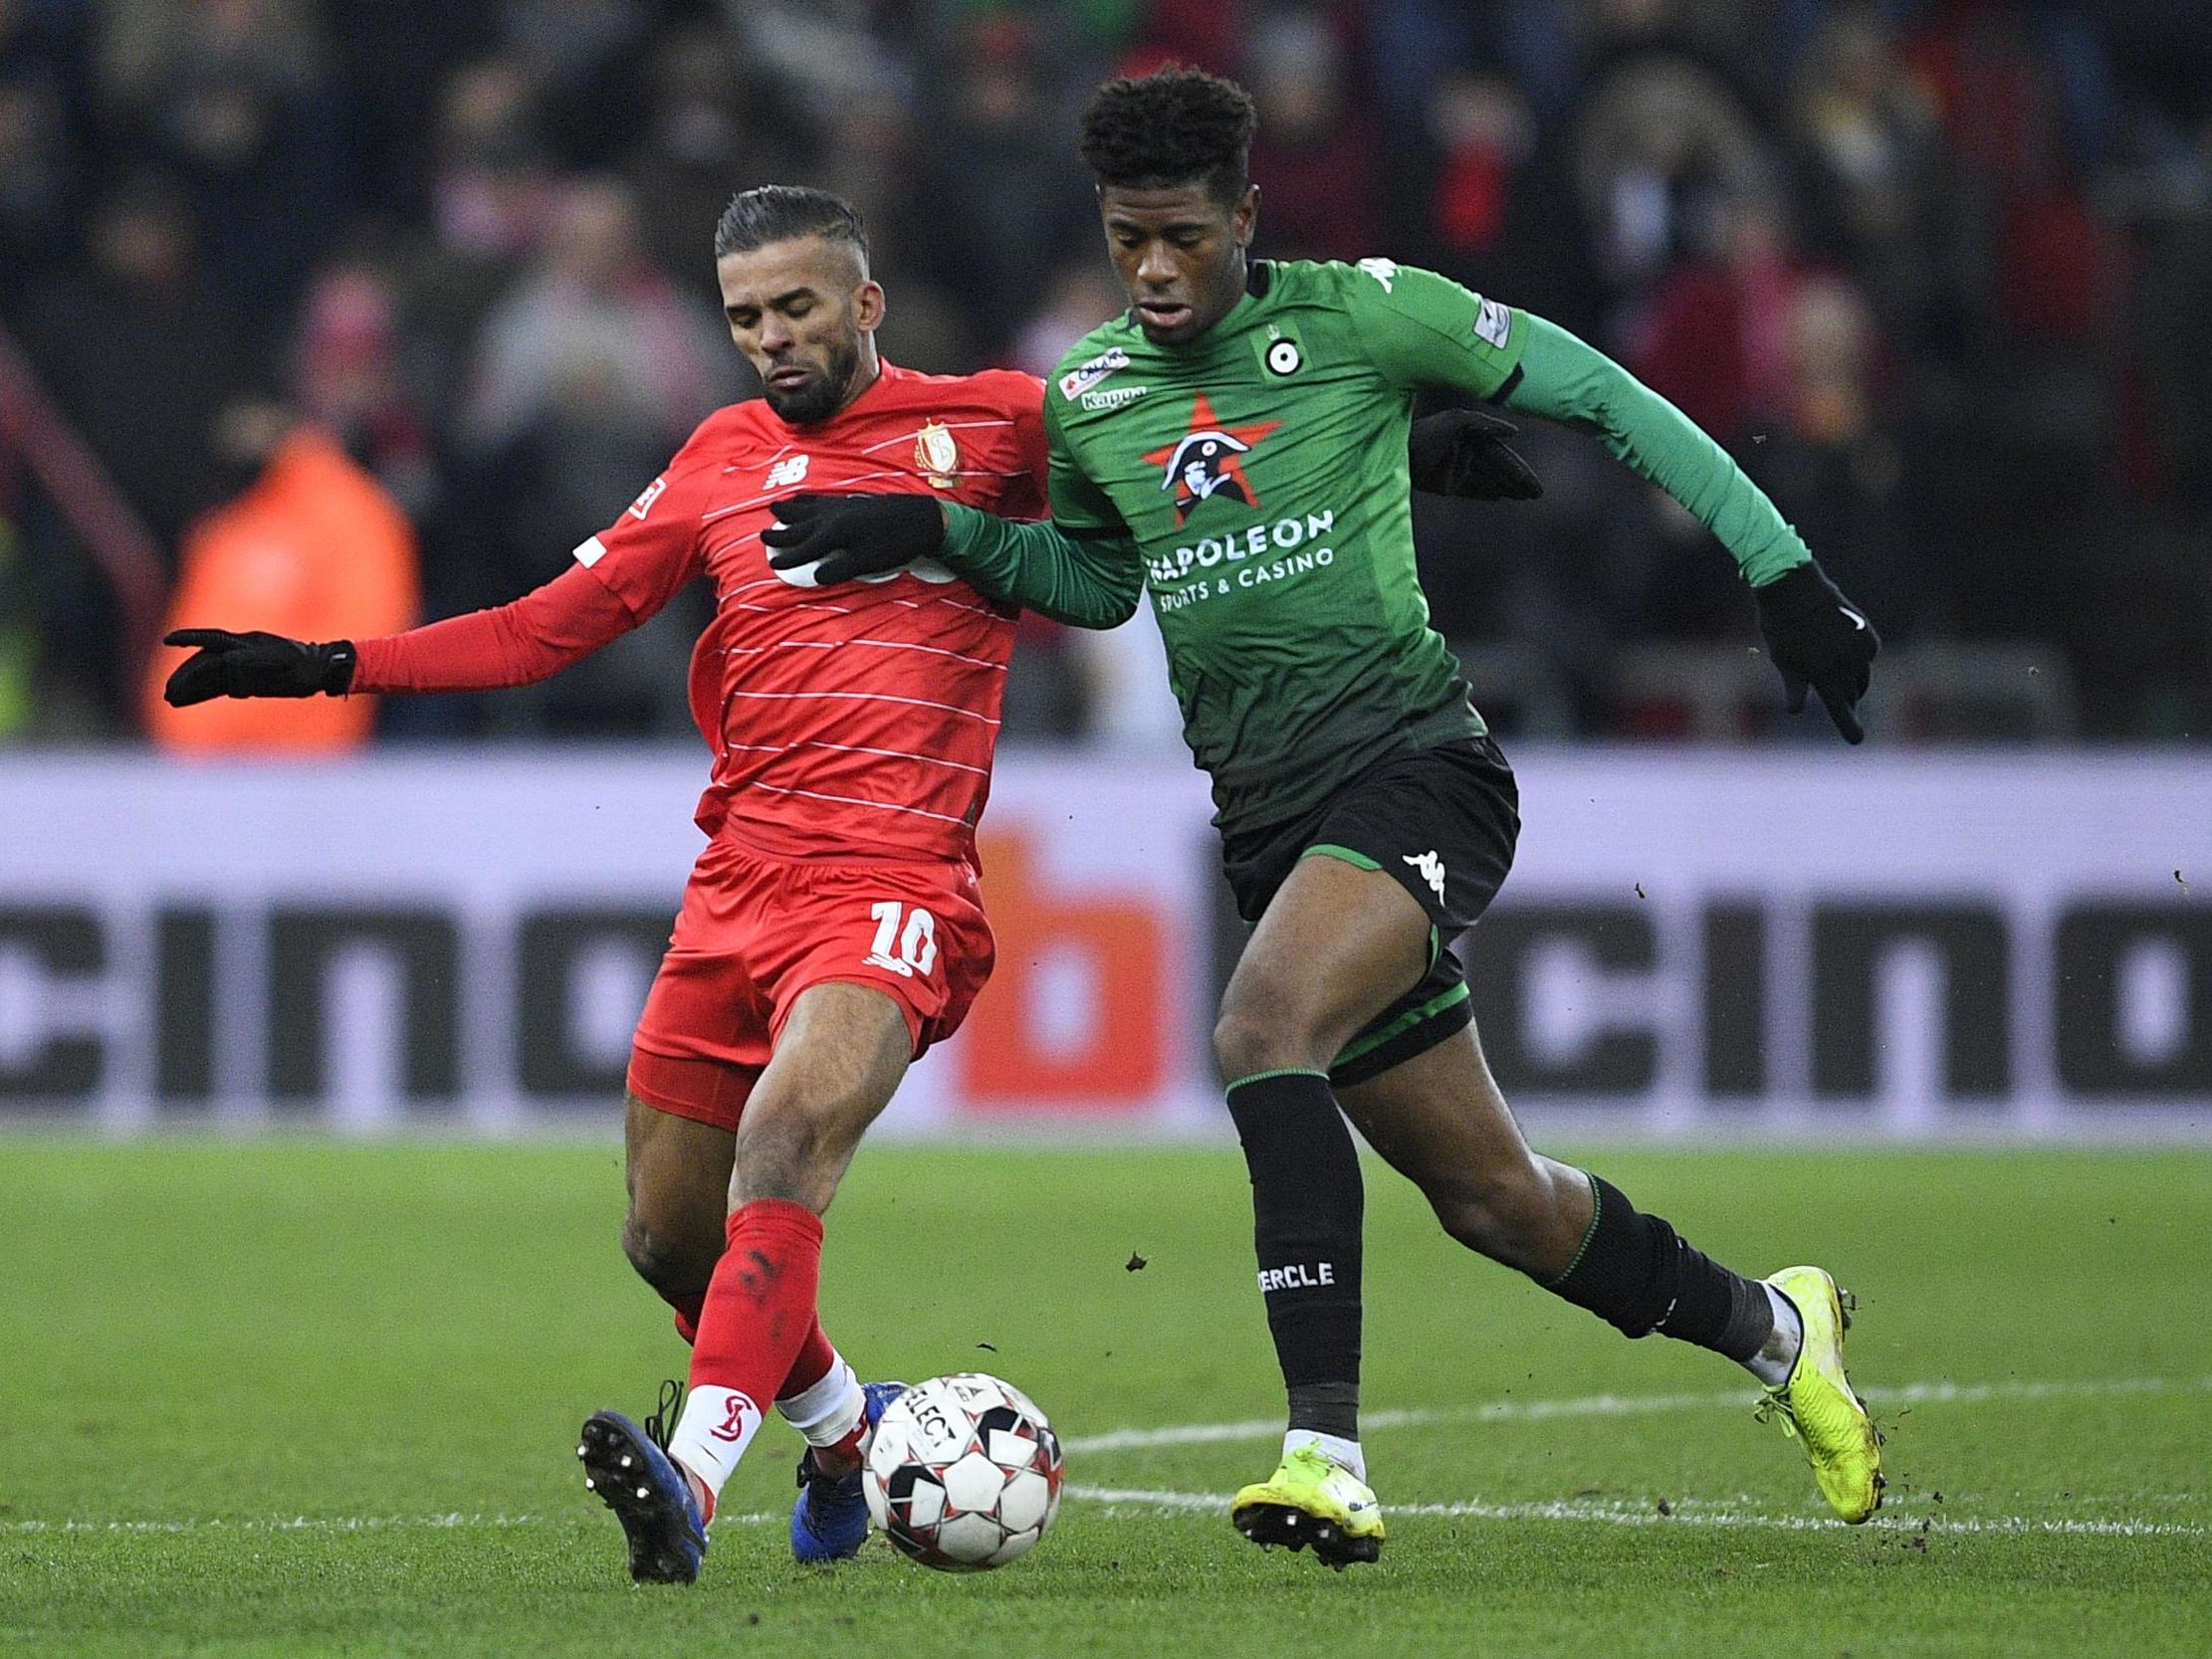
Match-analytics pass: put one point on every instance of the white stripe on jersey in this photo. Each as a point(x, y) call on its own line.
point(814, 486)
point(890, 644)
point(855, 800)
point(862, 748)
point(950, 426)
point(864, 696)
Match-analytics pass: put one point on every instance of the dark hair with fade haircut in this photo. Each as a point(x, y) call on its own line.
point(779, 212)
point(1178, 125)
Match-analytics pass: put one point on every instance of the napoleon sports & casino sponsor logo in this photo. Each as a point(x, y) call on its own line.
point(1206, 465)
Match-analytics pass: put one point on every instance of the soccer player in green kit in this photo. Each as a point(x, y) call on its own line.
point(1236, 443)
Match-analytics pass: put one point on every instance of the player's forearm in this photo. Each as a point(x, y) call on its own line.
point(1564, 380)
point(518, 644)
point(1040, 567)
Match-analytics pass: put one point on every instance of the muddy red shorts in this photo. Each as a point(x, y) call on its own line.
point(755, 931)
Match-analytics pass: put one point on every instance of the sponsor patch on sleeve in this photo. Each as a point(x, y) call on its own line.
point(1493, 323)
point(590, 552)
point(1080, 380)
point(647, 497)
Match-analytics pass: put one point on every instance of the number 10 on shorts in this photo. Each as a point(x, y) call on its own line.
point(914, 943)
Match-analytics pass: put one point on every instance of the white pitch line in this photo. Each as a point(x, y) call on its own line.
point(330, 1523)
point(1632, 1405)
point(1687, 1513)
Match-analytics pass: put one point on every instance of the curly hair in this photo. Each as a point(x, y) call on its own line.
point(779, 212)
point(1175, 126)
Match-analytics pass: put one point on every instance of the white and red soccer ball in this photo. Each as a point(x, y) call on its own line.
point(963, 1473)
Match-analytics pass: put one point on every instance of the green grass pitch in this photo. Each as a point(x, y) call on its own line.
point(302, 1399)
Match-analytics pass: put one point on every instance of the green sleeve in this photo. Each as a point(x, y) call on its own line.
point(1081, 567)
point(1421, 329)
point(1564, 380)
point(1092, 581)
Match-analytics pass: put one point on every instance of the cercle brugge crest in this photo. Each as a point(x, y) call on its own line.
point(936, 454)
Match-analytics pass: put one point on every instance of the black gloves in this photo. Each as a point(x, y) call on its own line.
point(1816, 638)
point(853, 535)
point(1463, 452)
point(256, 665)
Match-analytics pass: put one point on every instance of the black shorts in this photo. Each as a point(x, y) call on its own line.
point(1441, 822)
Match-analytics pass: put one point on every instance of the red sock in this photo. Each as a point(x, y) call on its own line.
point(816, 1357)
point(759, 1315)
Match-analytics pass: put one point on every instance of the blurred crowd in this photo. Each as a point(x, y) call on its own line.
point(1938, 271)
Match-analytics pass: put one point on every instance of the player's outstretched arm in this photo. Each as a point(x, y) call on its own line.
point(1816, 638)
point(518, 644)
point(1086, 582)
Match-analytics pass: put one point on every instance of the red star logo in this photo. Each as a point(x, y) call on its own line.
point(1208, 461)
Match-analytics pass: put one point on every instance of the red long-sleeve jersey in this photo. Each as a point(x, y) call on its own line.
point(856, 720)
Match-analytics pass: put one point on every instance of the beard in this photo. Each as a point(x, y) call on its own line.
point(822, 396)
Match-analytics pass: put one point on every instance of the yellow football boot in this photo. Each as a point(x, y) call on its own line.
point(1816, 1405)
point(1312, 1499)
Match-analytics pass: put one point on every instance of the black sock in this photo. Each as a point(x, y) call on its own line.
point(1636, 1274)
point(1307, 1204)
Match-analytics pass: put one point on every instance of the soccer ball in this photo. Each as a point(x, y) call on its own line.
point(963, 1473)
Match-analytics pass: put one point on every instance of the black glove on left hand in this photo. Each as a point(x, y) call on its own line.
point(256, 665)
point(853, 535)
point(1816, 638)
point(1464, 452)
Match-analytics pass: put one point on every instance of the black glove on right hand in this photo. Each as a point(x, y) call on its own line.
point(256, 665)
point(853, 535)
point(1816, 638)
point(1463, 452)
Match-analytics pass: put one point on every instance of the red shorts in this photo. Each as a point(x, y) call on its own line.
point(755, 931)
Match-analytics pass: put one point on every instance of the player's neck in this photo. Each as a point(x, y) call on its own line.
point(865, 375)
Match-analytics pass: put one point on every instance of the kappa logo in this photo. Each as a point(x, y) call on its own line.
point(1112, 398)
point(1084, 376)
point(1207, 463)
point(1432, 870)
point(1384, 271)
point(787, 472)
point(647, 497)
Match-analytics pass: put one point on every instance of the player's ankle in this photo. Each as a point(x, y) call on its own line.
point(1777, 1356)
point(702, 1494)
point(834, 1463)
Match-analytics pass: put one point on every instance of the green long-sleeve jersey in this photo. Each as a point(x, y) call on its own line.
point(1254, 479)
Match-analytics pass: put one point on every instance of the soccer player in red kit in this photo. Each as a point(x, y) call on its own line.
point(831, 930)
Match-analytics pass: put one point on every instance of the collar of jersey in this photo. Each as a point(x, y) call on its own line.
point(1256, 282)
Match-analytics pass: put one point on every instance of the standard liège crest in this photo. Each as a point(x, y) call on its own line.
point(936, 453)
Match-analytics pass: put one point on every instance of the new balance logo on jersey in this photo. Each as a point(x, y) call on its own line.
point(1432, 871)
point(787, 471)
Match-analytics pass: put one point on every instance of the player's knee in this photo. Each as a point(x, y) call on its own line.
point(677, 1268)
point(1502, 1214)
point(1258, 1033)
point(792, 1152)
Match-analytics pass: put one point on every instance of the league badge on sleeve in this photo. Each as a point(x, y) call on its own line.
point(936, 454)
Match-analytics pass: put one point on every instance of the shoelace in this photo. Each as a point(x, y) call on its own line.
point(660, 1422)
